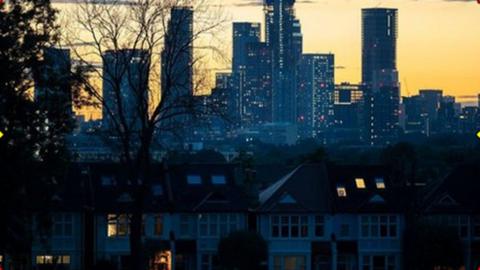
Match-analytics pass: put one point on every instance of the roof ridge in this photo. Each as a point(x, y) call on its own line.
point(268, 193)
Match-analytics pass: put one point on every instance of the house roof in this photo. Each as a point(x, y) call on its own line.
point(333, 188)
point(457, 193)
point(105, 187)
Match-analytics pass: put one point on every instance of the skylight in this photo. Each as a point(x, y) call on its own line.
point(218, 179)
point(360, 183)
point(194, 179)
point(380, 183)
point(341, 191)
point(157, 190)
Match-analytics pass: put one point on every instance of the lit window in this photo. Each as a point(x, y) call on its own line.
point(194, 179)
point(360, 182)
point(380, 183)
point(49, 259)
point(218, 179)
point(341, 191)
point(118, 225)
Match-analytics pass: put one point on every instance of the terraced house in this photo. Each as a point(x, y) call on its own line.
point(317, 217)
point(332, 217)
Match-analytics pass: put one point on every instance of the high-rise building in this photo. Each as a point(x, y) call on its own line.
point(416, 120)
point(379, 41)
point(228, 98)
point(125, 88)
point(315, 93)
point(53, 91)
point(432, 99)
point(382, 108)
point(257, 94)
point(244, 33)
point(177, 55)
point(283, 36)
point(177, 89)
point(348, 100)
point(379, 76)
point(251, 74)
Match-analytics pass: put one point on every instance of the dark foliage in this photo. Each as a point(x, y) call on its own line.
point(32, 152)
point(430, 246)
point(242, 251)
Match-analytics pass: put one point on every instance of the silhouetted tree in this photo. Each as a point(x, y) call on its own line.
point(401, 160)
point(135, 40)
point(32, 152)
point(431, 246)
point(242, 251)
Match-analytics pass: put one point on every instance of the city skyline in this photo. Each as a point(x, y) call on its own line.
point(421, 24)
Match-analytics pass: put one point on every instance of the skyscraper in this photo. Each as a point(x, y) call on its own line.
point(177, 55)
point(125, 88)
point(247, 74)
point(257, 95)
point(177, 90)
point(380, 76)
point(348, 100)
point(53, 91)
point(244, 33)
point(315, 88)
point(382, 108)
point(284, 38)
point(379, 41)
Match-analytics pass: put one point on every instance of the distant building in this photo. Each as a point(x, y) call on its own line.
point(315, 94)
point(53, 91)
point(177, 87)
point(283, 36)
point(416, 120)
point(125, 88)
point(244, 33)
point(348, 111)
point(271, 133)
point(380, 76)
point(256, 100)
point(379, 41)
point(252, 74)
point(432, 99)
point(382, 108)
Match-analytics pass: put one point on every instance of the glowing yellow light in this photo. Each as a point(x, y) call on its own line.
point(1, 134)
point(478, 135)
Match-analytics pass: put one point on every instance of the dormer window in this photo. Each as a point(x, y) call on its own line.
point(341, 191)
point(194, 179)
point(380, 183)
point(218, 180)
point(360, 183)
point(107, 180)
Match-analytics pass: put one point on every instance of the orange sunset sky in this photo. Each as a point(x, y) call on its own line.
point(438, 45)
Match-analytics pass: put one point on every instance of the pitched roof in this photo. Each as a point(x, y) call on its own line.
point(457, 193)
point(106, 188)
point(307, 185)
point(313, 188)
